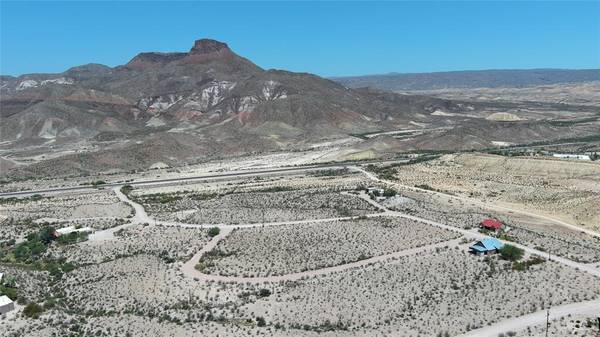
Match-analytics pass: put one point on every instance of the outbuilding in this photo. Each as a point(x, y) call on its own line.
point(486, 246)
point(72, 229)
point(376, 191)
point(6, 305)
point(491, 224)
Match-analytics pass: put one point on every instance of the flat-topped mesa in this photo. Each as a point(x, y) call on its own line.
point(207, 46)
point(206, 50)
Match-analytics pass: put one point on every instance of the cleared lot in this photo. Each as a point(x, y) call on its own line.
point(294, 248)
point(424, 295)
point(169, 243)
point(569, 190)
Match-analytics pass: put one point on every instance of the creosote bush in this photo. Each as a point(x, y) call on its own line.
point(214, 231)
point(32, 310)
point(511, 253)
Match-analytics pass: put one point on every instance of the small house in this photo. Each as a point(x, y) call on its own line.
point(491, 224)
point(6, 305)
point(486, 246)
point(376, 191)
point(72, 229)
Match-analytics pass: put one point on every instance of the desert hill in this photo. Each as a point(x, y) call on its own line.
point(210, 102)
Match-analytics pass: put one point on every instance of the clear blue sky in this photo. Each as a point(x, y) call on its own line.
point(329, 39)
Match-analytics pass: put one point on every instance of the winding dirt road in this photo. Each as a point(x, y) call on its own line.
point(479, 203)
point(142, 217)
point(189, 269)
point(591, 308)
point(513, 324)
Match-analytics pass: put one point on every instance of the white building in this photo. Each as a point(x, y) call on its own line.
point(572, 156)
point(1, 277)
point(72, 229)
point(375, 190)
point(6, 305)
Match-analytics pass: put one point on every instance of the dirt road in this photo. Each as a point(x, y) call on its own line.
point(188, 268)
point(515, 324)
point(480, 203)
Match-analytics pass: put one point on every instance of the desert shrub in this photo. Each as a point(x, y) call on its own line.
point(68, 267)
point(520, 266)
point(214, 231)
point(46, 234)
point(10, 292)
point(389, 192)
point(32, 310)
point(72, 238)
point(98, 183)
point(511, 253)
point(264, 292)
point(260, 321)
point(126, 189)
point(343, 211)
point(50, 303)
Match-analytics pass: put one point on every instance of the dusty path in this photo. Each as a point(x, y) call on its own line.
point(106, 234)
point(589, 268)
point(42, 220)
point(480, 203)
point(142, 217)
point(515, 324)
point(189, 270)
point(476, 235)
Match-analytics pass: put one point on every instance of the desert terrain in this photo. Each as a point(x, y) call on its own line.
point(311, 252)
point(194, 193)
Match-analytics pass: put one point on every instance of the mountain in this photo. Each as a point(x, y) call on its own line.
point(210, 103)
point(172, 107)
point(470, 79)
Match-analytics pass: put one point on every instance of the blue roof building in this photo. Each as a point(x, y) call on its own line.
point(486, 246)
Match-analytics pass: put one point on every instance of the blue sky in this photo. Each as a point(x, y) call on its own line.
point(326, 38)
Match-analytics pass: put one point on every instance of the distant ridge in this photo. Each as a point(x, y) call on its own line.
point(470, 79)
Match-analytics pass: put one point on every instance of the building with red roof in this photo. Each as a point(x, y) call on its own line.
point(491, 224)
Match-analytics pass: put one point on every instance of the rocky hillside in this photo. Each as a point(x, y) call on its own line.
point(209, 102)
point(208, 86)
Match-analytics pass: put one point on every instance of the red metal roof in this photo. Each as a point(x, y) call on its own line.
point(491, 224)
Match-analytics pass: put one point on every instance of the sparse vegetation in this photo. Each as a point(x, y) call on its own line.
point(126, 189)
point(213, 231)
point(98, 183)
point(32, 310)
point(511, 253)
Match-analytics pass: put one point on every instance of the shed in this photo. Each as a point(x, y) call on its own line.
point(486, 246)
point(491, 224)
point(375, 191)
point(72, 229)
point(6, 305)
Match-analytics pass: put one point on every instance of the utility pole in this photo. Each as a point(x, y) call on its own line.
point(547, 321)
